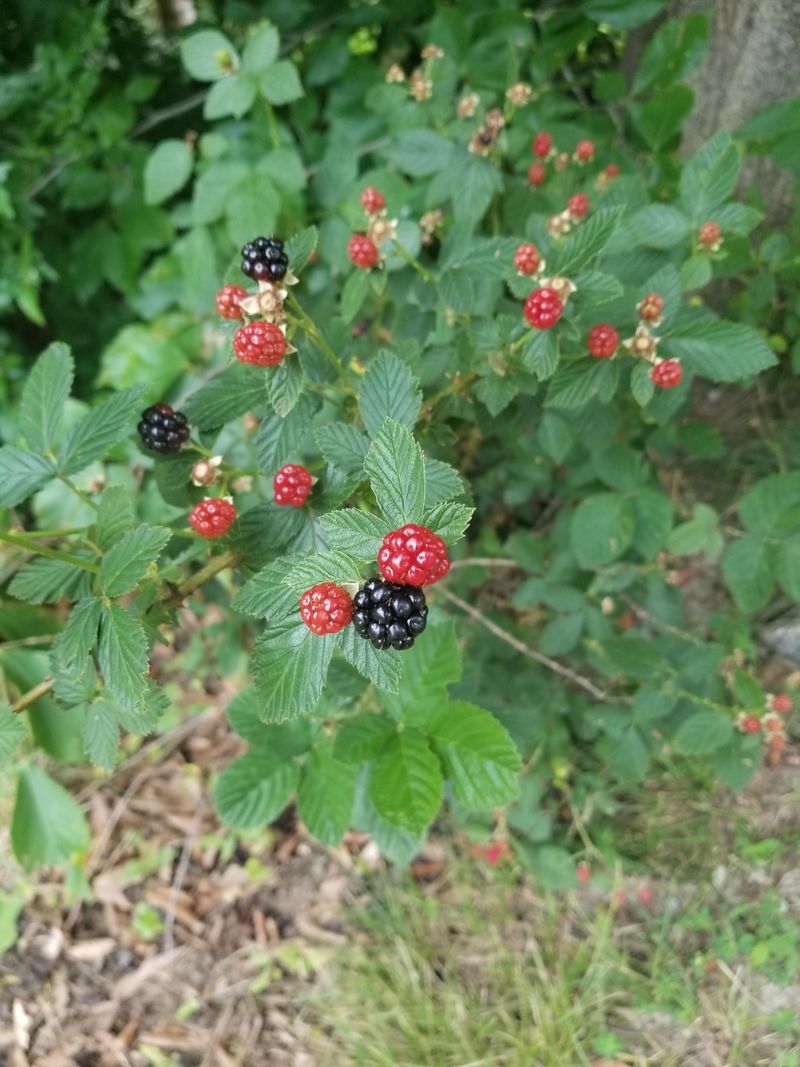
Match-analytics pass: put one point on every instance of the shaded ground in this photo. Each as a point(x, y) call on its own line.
point(199, 947)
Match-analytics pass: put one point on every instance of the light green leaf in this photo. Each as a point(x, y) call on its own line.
point(326, 796)
point(420, 152)
point(12, 732)
point(301, 246)
point(653, 511)
point(642, 385)
point(208, 55)
point(98, 430)
point(44, 581)
point(748, 567)
point(255, 789)
point(709, 177)
point(290, 665)
point(405, 784)
point(540, 353)
point(389, 390)
point(128, 561)
point(574, 385)
point(261, 49)
point(344, 446)
point(357, 531)
point(703, 732)
point(354, 293)
point(660, 225)
point(115, 515)
point(123, 656)
point(442, 482)
point(266, 594)
point(21, 474)
point(44, 396)
point(662, 116)
point(362, 737)
point(449, 521)
point(280, 83)
point(234, 392)
point(428, 669)
point(396, 471)
point(47, 826)
point(602, 529)
point(700, 534)
point(384, 669)
point(79, 635)
point(233, 95)
point(763, 508)
point(719, 350)
point(477, 753)
point(101, 733)
point(626, 755)
point(284, 386)
point(587, 240)
point(167, 170)
point(319, 567)
point(280, 440)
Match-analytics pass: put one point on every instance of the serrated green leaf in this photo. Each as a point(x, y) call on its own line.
point(357, 531)
point(397, 845)
point(748, 566)
point(47, 826)
point(642, 385)
point(284, 386)
point(703, 732)
point(442, 482)
point(79, 635)
point(229, 395)
point(167, 170)
point(208, 55)
point(300, 247)
point(233, 95)
point(98, 430)
point(653, 511)
point(280, 440)
point(477, 754)
point(22, 473)
point(101, 733)
point(763, 507)
point(73, 682)
point(255, 789)
point(12, 733)
point(587, 240)
point(787, 566)
point(389, 390)
point(261, 49)
point(354, 293)
point(540, 353)
point(405, 783)
point(420, 152)
point(343, 446)
point(396, 470)
point(266, 594)
point(574, 385)
point(602, 528)
point(44, 581)
point(115, 515)
point(362, 737)
point(449, 521)
point(290, 665)
point(280, 83)
point(721, 351)
point(336, 566)
point(660, 225)
point(125, 564)
point(326, 795)
point(428, 669)
point(123, 655)
point(44, 397)
point(626, 755)
point(700, 534)
point(710, 176)
point(384, 669)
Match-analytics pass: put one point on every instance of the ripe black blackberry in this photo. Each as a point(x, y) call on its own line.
point(162, 429)
point(264, 259)
point(388, 614)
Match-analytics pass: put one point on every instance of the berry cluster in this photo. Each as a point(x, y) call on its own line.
point(372, 200)
point(542, 145)
point(228, 301)
point(389, 614)
point(212, 518)
point(362, 251)
point(413, 555)
point(326, 608)
point(578, 206)
point(584, 152)
point(537, 172)
point(527, 259)
point(667, 373)
point(291, 485)
point(264, 260)
point(603, 341)
point(162, 429)
point(260, 344)
point(543, 308)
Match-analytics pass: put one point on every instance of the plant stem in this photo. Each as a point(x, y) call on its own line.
point(78, 492)
point(307, 324)
point(51, 553)
point(412, 262)
point(43, 534)
point(213, 567)
point(32, 695)
point(28, 642)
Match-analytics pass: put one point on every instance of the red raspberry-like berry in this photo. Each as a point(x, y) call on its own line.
point(612, 170)
point(542, 143)
point(644, 895)
point(583, 873)
point(212, 518)
point(543, 308)
point(362, 251)
point(527, 259)
point(584, 151)
point(650, 307)
point(537, 172)
point(372, 201)
point(227, 300)
point(326, 608)
point(496, 852)
point(603, 341)
point(667, 374)
point(291, 485)
point(261, 344)
point(578, 205)
point(413, 555)
point(781, 703)
point(748, 724)
point(710, 233)
point(772, 723)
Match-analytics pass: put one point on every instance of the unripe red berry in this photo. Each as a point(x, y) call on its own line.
point(584, 151)
point(527, 259)
point(645, 895)
point(371, 200)
point(212, 518)
point(537, 172)
point(326, 608)
point(772, 723)
point(612, 170)
point(667, 373)
point(650, 307)
point(603, 341)
point(260, 344)
point(362, 251)
point(583, 873)
point(710, 234)
point(578, 205)
point(781, 703)
point(749, 724)
point(496, 852)
point(227, 301)
point(543, 308)
point(291, 485)
point(542, 143)
point(413, 555)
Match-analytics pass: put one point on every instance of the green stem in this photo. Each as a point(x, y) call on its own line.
point(50, 553)
point(307, 324)
point(412, 262)
point(43, 534)
point(78, 492)
point(212, 568)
